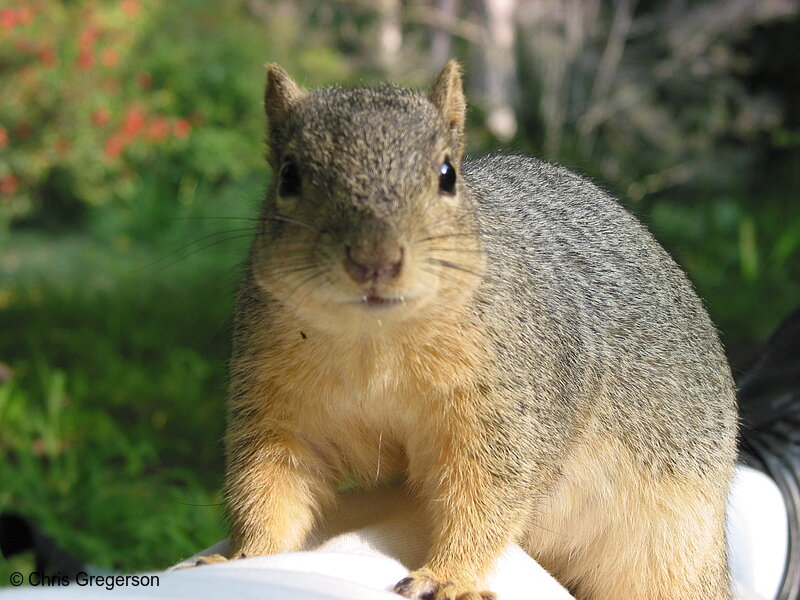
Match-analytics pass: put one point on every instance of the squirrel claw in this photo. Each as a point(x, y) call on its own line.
point(417, 588)
point(421, 585)
point(216, 558)
point(210, 560)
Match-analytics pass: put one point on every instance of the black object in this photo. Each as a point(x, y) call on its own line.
point(18, 535)
point(769, 404)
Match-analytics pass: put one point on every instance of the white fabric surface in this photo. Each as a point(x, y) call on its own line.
point(758, 537)
point(373, 537)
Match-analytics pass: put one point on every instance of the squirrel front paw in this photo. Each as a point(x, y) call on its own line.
point(423, 585)
point(216, 558)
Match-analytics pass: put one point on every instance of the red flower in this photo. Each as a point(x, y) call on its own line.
point(158, 129)
point(110, 57)
point(101, 116)
point(130, 7)
point(8, 184)
point(85, 60)
point(114, 146)
point(134, 121)
point(8, 18)
point(181, 128)
point(3, 136)
point(25, 15)
point(87, 38)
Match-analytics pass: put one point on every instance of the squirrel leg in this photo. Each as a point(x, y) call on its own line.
point(272, 497)
point(612, 530)
point(680, 555)
point(473, 520)
point(669, 571)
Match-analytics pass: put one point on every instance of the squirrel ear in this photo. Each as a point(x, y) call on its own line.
point(280, 95)
point(447, 95)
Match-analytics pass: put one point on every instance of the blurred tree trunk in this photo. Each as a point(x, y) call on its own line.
point(390, 35)
point(441, 39)
point(499, 69)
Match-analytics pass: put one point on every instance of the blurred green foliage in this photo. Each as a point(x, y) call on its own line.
point(110, 426)
point(131, 166)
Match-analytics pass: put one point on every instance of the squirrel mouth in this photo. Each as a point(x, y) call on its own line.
point(373, 300)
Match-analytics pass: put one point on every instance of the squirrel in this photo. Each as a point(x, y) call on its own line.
point(498, 332)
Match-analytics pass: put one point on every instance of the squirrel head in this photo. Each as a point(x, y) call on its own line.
point(367, 217)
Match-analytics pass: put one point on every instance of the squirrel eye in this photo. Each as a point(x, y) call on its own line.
point(289, 176)
point(447, 177)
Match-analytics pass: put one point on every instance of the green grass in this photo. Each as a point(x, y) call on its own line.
point(110, 429)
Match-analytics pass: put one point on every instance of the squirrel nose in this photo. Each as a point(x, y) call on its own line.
point(376, 265)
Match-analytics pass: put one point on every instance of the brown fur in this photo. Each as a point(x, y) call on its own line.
point(611, 531)
point(529, 379)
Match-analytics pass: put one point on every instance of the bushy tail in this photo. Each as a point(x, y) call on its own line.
point(769, 403)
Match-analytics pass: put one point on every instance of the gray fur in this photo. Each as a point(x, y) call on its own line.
point(579, 293)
